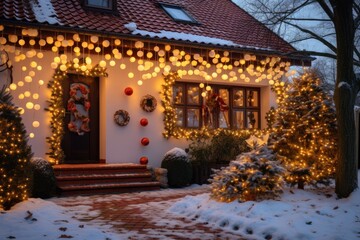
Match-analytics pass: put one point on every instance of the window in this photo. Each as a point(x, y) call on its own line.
point(103, 4)
point(178, 14)
point(230, 107)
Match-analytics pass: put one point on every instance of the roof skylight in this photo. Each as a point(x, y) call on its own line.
point(178, 13)
point(103, 4)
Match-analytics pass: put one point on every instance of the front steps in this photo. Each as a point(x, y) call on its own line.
point(88, 179)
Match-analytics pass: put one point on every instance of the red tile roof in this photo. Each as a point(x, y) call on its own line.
point(219, 19)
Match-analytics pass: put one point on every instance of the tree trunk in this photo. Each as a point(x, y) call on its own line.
point(345, 92)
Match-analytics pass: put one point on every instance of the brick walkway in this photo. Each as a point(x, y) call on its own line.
point(142, 215)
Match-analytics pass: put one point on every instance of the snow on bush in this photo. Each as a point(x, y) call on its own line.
point(254, 175)
point(179, 167)
point(177, 152)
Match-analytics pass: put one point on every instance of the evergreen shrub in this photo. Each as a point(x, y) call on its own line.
point(44, 182)
point(179, 167)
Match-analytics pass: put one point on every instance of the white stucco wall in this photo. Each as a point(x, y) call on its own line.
point(117, 144)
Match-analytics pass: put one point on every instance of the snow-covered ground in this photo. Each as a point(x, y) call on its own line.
point(298, 215)
point(310, 214)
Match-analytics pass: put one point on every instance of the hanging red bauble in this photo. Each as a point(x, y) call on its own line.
point(145, 141)
point(144, 160)
point(128, 91)
point(144, 122)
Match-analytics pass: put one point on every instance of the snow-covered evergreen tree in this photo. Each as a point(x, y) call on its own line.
point(255, 175)
point(305, 131)
point(15, 154)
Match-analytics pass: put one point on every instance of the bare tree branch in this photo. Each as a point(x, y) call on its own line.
point(315, 36)
point(326, 9)
point(308, 38)
point(310, 19)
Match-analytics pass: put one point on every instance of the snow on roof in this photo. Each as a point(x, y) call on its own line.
point(44, 11)
point(185, 37)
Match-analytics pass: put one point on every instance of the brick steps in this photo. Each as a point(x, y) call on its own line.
point(87, 179)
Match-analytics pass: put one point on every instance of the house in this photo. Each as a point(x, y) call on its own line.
point(91, 75)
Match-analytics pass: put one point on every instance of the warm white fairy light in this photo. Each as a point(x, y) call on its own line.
point(29, 105)
point(35, 124)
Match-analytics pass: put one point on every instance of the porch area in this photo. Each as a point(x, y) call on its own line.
point(89, 179)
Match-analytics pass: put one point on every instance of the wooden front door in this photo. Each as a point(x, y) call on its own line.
point(81, 102)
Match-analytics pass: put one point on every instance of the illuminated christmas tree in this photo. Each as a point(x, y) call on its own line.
point(305, 132)
point(15, 154)
point(255, 175)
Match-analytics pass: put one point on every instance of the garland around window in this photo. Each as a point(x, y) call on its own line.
point(170, 118)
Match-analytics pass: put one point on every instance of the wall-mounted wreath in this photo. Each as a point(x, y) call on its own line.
point(79, 105)
point(148, 103)
point(122, 117)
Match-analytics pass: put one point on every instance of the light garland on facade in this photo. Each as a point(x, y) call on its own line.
point(76, 52)
point(57, 110)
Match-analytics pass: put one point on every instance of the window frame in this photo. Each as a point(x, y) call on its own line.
point(185, 105)
point(245, 108)
point(191, 21)
point(110, 9)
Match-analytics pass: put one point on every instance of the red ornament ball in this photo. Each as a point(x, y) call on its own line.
point(145, 141)
point(144, 160)
point(128, 91)
point(144, 122)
